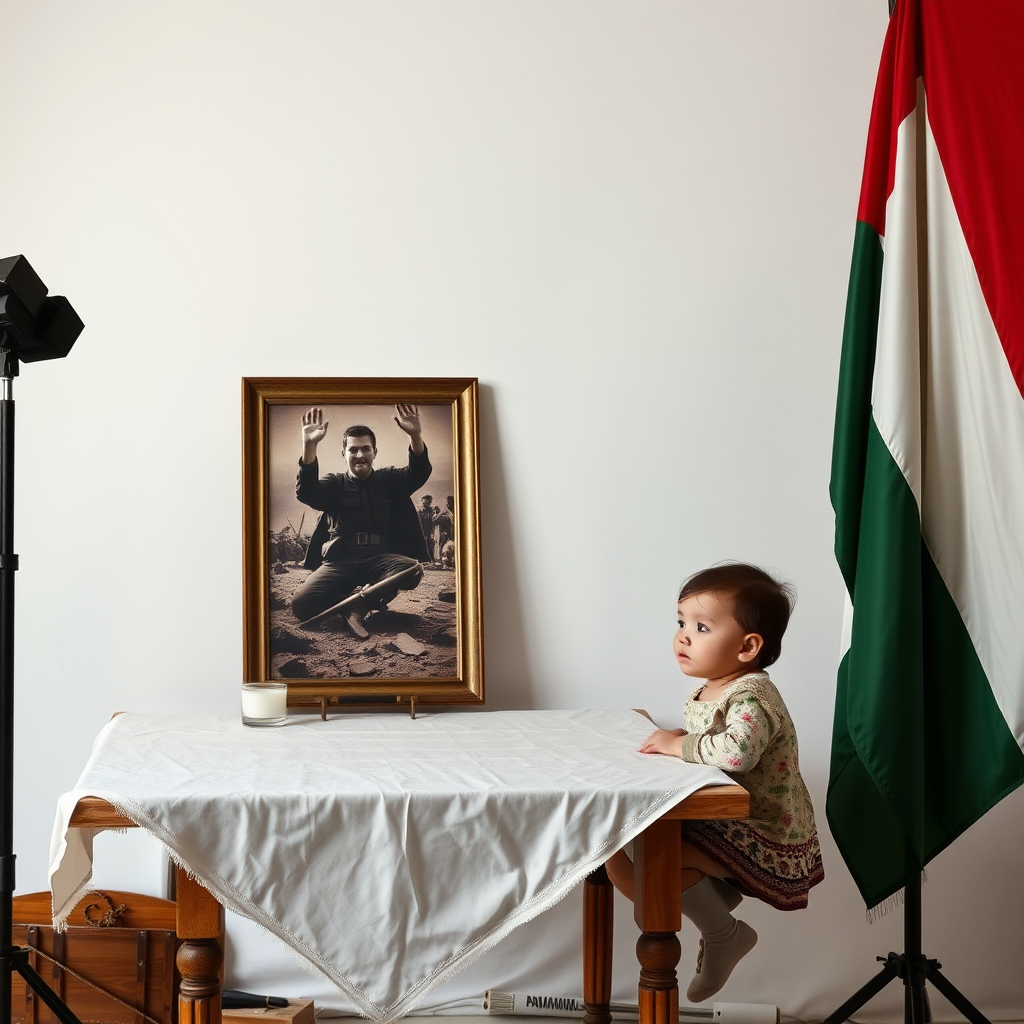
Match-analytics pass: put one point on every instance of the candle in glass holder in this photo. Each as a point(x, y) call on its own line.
point(264, 703)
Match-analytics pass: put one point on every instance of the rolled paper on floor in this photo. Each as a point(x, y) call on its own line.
point(505, 1003)
point(743, 1013)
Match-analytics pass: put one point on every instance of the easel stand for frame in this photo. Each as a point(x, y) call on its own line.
point(12, 958)
point(915, 969)
point(324, 702)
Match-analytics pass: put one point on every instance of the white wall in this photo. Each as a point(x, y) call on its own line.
point(631, 220)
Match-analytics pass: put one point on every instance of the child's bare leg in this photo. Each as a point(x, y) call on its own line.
point(620, 872)
point(697, 864)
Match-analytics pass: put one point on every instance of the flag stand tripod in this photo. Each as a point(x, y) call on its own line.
point(914, 968)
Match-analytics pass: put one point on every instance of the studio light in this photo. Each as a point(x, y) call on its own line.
point(33, 325)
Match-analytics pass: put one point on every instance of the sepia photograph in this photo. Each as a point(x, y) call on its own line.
point(361, 574)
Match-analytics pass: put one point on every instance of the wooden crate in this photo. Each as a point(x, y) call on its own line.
point(298, 1011)
point(131, 959)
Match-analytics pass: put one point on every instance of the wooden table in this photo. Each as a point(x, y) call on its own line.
point(656, 853)
point(199, 923)
point(656, 909)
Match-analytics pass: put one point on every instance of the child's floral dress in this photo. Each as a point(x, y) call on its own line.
point(773, 854)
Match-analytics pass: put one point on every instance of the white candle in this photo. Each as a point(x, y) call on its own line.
point(264, 703)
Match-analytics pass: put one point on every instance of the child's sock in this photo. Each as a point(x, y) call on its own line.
point(724, 940)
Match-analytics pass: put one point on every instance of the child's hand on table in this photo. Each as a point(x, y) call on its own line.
point(664, 741)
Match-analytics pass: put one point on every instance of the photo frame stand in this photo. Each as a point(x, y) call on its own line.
point(324, 702)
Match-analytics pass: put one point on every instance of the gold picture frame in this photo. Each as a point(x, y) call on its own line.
point(423, 639)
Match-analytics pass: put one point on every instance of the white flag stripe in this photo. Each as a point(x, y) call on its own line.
point(973, 508)
point(895, 388)
point(968, 477)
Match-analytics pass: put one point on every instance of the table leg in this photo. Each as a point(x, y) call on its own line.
point(598, 920)
point(657, 910)
point(200, 924)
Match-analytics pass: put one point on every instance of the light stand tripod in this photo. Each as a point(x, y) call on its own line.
point(33, 326)
point(914, 968)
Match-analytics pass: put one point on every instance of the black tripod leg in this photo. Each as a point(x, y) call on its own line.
point(48, 996)
point(916, 1007)
point(859, 998)
point(972, 1013)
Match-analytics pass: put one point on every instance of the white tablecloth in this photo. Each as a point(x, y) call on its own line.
point(388, 853)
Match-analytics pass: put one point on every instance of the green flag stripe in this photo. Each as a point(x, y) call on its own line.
point(885, 684)
point(920, 747)
point(866, 829)
point(853, 406)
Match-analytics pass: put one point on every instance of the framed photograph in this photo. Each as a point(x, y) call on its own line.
point(361, 539)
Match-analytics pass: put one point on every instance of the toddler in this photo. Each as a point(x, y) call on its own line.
point(731, 621)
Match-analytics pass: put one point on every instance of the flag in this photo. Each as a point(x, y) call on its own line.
point(928, 457)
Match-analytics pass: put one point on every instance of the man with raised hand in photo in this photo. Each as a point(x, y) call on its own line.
point(368, 531)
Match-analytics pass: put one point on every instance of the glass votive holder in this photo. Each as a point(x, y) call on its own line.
point(264, 703)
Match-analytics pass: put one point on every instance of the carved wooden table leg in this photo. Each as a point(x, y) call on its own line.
point(656, 909)
point(598, 920)
point(200, 957)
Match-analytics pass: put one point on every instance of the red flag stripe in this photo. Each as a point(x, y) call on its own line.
point(974, 83)
point(895, 97)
